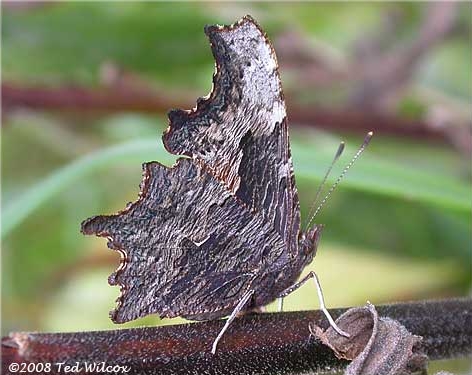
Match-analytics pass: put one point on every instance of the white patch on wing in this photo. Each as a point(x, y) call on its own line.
point(278, 113)
point(199, 243)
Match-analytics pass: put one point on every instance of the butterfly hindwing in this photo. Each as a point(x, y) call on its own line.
point(189, 249)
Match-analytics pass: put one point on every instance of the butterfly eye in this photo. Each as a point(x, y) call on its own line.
point(305, 244)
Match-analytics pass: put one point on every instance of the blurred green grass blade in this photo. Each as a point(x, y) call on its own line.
point(136, 151)
point(370, 175)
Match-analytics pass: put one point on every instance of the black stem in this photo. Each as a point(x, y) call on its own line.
point(272, 343)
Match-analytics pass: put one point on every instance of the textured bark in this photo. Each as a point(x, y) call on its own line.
point(262, 344)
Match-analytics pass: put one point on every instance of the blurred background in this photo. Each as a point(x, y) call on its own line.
point(85, 92)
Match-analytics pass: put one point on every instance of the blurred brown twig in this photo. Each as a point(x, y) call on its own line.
point(80, 99)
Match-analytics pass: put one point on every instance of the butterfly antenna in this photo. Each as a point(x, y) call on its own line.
point(367, 139)
point(318, 192)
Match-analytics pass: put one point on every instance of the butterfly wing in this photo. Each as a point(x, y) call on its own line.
point(227, 220)
point(188, 247)
point(239, 133)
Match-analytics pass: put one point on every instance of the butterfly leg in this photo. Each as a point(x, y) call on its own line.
point(235, 312)
point(312, 275)
point(281, 304)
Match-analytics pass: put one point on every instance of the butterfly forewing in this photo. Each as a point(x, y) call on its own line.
point(240, 132)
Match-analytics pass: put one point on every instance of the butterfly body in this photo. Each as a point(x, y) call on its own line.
point(225, 219)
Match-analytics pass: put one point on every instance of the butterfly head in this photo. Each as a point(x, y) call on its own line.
point(308, 242)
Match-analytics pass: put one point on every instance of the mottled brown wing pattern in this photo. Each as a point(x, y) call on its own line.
point(225, 221)
point(239, 133)
point(189, 248)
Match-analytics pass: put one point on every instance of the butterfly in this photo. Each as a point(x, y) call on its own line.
point(219, 232)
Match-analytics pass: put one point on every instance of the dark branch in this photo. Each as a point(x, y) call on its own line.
point(83, 100)
point(75, 98)
point(275, 343)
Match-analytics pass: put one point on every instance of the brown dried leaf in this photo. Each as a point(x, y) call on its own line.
point(376, 346)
